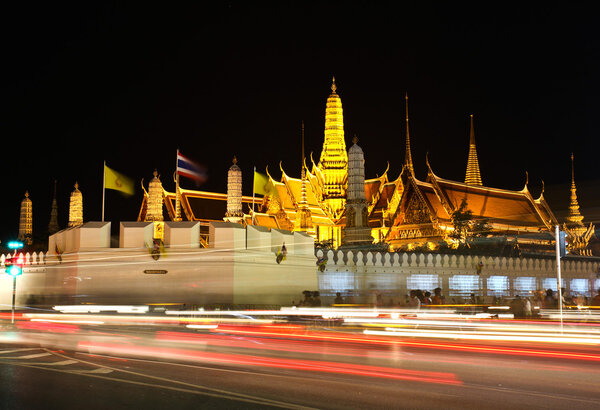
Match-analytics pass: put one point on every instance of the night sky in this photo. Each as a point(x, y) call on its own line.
point(85, 83)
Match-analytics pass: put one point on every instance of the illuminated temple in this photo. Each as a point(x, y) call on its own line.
point(404, 212)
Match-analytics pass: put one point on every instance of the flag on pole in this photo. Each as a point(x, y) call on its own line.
point(262, 184)
point(189, 169)
point(117, 181)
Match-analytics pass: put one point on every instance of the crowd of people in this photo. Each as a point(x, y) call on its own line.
point(521, 307)
point(312, 298)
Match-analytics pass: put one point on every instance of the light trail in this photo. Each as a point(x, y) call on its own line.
point(493, 336)
point(273, 362)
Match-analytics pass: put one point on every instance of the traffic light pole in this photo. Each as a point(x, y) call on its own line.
point(13, 299)
point(15, 269)
point(558, 278)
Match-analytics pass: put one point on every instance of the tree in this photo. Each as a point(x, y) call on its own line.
point(480, 228)
point(461, 221)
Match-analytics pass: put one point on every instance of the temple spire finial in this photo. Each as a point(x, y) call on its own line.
point(572, 170)
point(302, 163)
point(473, 176)
point(333, 86)
point(408, 156)
point(303, 222)
point(574, 217)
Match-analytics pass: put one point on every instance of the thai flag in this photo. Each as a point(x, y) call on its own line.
point(188, 168)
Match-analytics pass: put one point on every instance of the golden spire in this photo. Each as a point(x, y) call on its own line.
point(473, 176)
point(408, 157)
point(333, 163)
point(574, 217)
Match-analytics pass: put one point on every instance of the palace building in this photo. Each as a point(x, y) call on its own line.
point(404, 212)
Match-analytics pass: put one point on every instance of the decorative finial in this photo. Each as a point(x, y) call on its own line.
point(526, 178)
point(76, 185)
point(234, 160)
point(333, 86)
point(572, 169)
point(355, 139)
point(407, 154)
point(26, 194)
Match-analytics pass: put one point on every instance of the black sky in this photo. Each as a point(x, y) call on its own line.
point(88, 82)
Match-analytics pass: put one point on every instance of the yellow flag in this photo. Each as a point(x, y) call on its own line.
point(262, 185)
point(117, 181)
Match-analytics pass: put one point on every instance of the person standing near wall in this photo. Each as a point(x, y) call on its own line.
point(438, 298)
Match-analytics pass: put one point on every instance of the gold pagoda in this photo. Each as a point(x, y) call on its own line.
point(404, 212)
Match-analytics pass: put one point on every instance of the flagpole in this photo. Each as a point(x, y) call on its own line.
point(253, 181)
point(103, 187)
point(177, 211)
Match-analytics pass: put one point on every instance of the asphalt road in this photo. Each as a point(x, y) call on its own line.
point(175, 369)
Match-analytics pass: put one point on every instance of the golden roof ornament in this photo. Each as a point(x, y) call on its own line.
point(333, 86)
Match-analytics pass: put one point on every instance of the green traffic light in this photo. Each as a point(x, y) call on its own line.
point(14, 270)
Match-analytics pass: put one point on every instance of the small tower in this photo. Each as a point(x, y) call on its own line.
point(473, 176)
point(234, 193)
point(53, 224)
point(357, 231)
point(76, 207)
point(154, 206)
point(154, 209)
point(26, 220)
